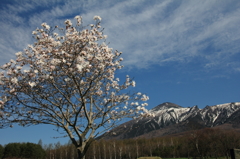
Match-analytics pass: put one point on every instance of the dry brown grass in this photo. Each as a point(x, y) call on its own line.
point(149, 158)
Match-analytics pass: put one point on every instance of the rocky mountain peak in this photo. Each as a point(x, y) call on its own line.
point(171, 118)
point(165, 105)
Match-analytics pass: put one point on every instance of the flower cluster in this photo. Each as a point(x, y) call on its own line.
point(68, 74)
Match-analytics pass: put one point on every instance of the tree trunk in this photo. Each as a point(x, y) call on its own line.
point(81, 154)
point(82, 147)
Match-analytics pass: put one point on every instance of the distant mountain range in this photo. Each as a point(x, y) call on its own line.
point(173, 119)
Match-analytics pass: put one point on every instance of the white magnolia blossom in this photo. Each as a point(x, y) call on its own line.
point(133, 83)
point(97, 18)
point(144, 98)
point(18, 67)
point(79, 67)
point(67, 79)
point(32, 84)
point(47, 27)
point(19, 54)
point(14, 80)
point(68, 22)
point(26, 71)
point(78, 17)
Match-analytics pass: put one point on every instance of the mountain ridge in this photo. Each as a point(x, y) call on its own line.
point(171, 118)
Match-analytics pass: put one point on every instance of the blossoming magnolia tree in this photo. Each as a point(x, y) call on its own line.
point(66, 78)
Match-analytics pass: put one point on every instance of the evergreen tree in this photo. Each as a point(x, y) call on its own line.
point(1, 151)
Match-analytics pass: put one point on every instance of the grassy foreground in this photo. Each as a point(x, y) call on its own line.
point(158, 158)
point(149, 158)
point(173, 158)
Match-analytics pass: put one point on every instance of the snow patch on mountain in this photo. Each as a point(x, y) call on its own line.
point(171, 113)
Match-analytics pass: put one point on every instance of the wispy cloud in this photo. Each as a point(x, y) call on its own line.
point(148, 32)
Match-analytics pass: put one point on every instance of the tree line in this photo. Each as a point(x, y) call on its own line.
point(204, 143)
point(22, 150)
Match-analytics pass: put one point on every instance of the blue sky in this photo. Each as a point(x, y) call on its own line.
point(180, 51)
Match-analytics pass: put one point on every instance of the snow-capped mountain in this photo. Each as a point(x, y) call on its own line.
point(171, 118)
